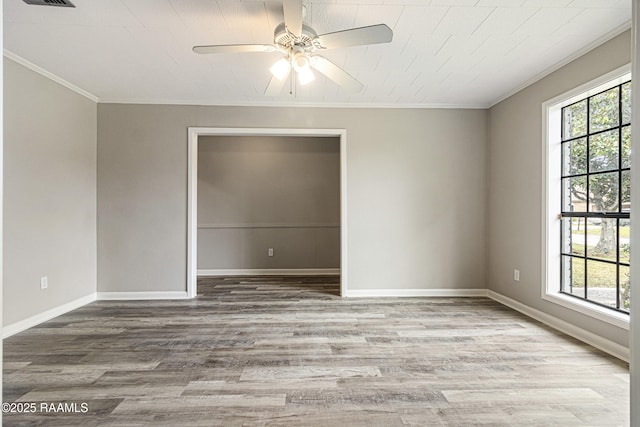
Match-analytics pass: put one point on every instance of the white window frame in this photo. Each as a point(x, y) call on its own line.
point(551, 167)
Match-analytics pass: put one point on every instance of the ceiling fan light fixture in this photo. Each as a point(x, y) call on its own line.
point(300, 61)
point(280, 69)
point(302, 64)
point(305, 75)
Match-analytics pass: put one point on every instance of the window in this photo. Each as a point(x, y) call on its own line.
point(595, 198)
point(588, 198)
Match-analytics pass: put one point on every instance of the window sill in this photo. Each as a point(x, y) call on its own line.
point(592, 310)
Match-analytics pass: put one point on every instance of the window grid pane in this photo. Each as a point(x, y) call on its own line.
point(604, 112)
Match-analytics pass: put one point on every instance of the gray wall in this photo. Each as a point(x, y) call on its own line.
point(49, 194)
point(256, 193)
point(515, 184)
point(416, 191)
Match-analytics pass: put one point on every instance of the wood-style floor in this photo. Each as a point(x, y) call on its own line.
point(290, 352)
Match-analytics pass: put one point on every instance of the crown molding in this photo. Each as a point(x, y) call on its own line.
point(33, 67)
point(291, 104)
point(598, 42)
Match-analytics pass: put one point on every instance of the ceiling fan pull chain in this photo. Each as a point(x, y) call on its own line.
point(292, 82)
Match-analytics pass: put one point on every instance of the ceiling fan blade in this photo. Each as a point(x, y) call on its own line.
point(274, 88)
point(336, 74)
point(373, 34)
point(293, 16)
point(234, 48)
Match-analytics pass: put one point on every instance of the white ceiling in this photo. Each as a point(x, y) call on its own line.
point(444, 52)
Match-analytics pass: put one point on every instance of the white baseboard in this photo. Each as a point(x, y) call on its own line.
point(596, 341)
point(32, 321)
point(367, 293)
point(141, 295)
point(271, 272)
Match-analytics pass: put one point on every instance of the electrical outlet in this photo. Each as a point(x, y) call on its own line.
point(516, 275)
point(44, 282)
point(270, 252)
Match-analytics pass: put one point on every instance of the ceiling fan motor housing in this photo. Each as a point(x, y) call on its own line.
point(283, 38)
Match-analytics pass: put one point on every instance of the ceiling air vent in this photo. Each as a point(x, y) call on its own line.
point(61, 3)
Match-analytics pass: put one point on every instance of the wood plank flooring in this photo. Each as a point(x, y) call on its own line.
point(288, 351)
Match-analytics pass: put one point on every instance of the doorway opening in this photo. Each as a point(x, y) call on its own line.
point(198, 135)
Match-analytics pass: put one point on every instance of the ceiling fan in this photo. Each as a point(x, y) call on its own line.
point(301, 44)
